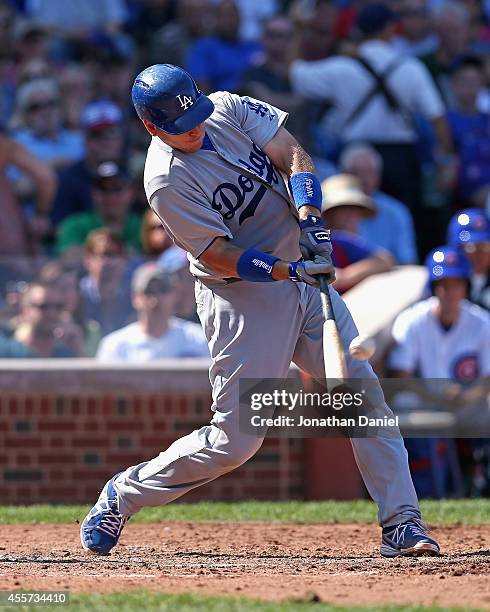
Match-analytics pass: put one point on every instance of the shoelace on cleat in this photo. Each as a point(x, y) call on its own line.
point(112, 523)
point(415, 526)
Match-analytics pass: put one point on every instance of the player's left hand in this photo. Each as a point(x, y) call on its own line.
point(314, 239)
point(308, 271)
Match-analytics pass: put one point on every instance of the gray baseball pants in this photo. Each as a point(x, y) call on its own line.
point(255, 330)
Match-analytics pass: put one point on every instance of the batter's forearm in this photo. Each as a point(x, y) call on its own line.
point(222, 257)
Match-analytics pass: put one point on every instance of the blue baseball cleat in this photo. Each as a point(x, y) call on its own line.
point(408, 539)
point(102, 526)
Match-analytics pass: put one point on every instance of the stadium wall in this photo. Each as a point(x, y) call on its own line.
point(65, 427)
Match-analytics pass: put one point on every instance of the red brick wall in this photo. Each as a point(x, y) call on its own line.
point(63, 447)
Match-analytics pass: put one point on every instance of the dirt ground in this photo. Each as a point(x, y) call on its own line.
point(331, 563)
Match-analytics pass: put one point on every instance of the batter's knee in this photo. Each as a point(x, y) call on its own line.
point(236, 452)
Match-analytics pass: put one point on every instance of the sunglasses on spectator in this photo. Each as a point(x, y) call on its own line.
point(156, 290)
point(34, 107)
point(43, 306)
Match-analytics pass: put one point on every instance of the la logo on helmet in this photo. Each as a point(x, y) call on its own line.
point(185, 101)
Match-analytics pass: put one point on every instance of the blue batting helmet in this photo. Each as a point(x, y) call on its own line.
point(168, 97)
point(468, 226)
point(447, 262)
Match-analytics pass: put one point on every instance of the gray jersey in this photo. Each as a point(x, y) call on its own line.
point(233, 191)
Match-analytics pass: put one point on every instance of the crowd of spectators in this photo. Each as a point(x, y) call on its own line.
point(392, 100)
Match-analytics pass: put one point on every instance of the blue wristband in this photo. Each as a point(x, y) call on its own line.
point(256, 266)
point(306, 190)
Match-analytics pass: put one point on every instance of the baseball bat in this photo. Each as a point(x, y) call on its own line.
point(333, 351)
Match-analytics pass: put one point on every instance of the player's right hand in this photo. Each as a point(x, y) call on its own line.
point(308, 271)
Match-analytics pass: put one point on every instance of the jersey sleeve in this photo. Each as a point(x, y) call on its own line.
point(257, 118)
point(188, 218)
point(403, 355)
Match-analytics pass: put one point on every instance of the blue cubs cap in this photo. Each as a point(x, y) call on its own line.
point(168, 97)
point(470, 225)
point(447, 262)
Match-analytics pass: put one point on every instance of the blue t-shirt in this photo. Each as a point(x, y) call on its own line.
point(391, 228)
point(220, 62)
point(349, 248)
point(471, 134)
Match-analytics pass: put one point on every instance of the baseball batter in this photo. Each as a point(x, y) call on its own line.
point(240, 195)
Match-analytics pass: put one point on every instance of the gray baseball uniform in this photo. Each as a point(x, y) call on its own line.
point(230, 188)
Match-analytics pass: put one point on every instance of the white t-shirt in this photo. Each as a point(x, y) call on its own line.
point(425, 348)
point(131, 345)
point(344, 82)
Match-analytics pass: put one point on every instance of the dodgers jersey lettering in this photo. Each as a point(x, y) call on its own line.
point(232, 191)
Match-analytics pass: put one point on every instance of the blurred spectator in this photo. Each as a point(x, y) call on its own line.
point(78, 19)
point(150, 16)
point(484, 95)
point(30, 42)
point(343, 208)
point(80, 333)
point(469, 230)
point(170, 43)
point(416, 37)
point(8, 76)
point(392, 226)
point(73, 25)
point(174, 261)
point(11, 293)
point(154, 238)
point(218, 62)
point(101, 122)
point(19, 234)
point(113, 78)
point(35, 69)
point(269, 80)
point(105, 290)
point(11, 349)
point(112, 195)
point(451, 22)
point(253, 15)
point(156, 334)
point(76, 87)
point(374, 97)
point(39, 327)
point(471, 133)
point(442, 337)
point(316, 28)
point(39, 124)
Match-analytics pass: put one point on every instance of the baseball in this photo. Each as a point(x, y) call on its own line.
point(362, 347)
